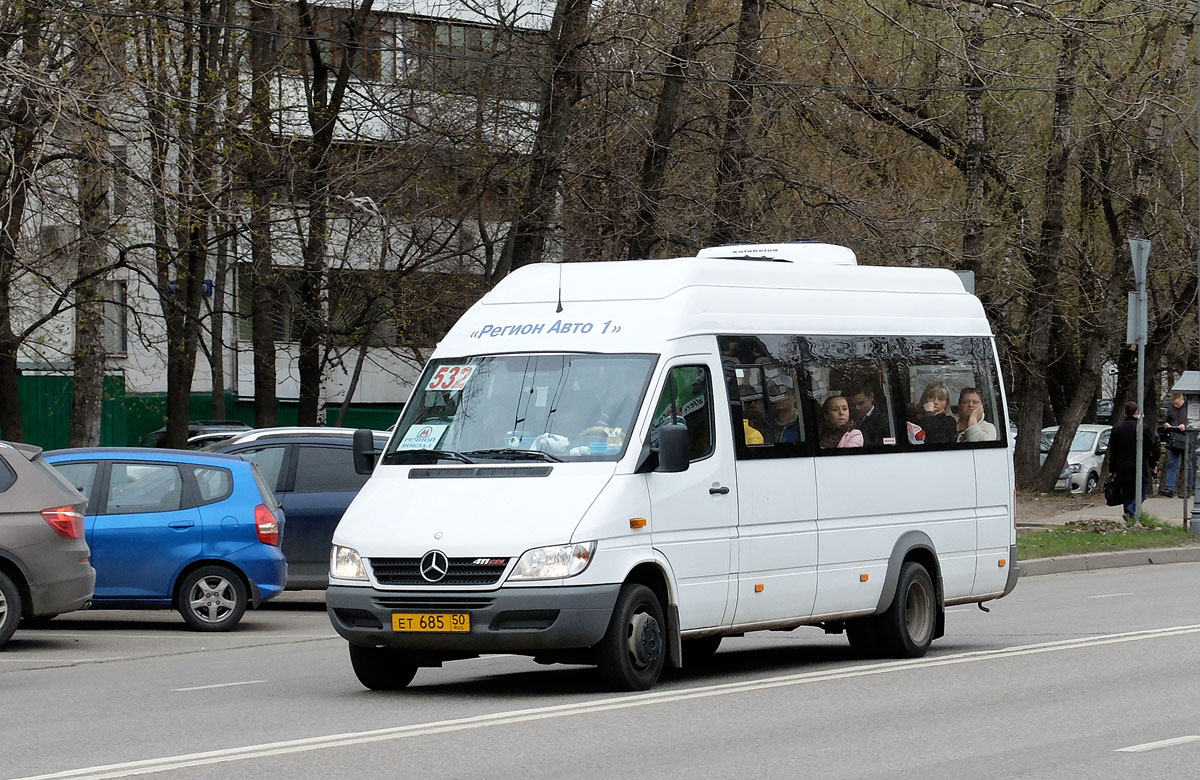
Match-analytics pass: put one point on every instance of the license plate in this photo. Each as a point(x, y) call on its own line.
point(431, 621)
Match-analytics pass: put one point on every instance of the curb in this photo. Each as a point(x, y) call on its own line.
point(1109, 560)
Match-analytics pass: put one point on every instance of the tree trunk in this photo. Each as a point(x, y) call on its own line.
point(527, 238)
point(262, 336)
point(1032, 384)
point(654, 165)
point(325, 104)
point(729, 209)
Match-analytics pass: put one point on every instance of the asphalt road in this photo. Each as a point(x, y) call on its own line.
point(1078, 675)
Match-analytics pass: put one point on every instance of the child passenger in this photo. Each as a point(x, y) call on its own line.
point(839, 427)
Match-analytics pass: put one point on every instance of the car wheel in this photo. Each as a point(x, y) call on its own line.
point(382, 668)
point(700, 652)
point(10, 608)
point(212, 598)
point(1093, 482)
point(906, 628)
point(634, 647)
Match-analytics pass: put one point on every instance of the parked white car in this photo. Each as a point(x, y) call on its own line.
point(1082, 472)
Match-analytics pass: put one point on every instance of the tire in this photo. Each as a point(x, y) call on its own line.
point(10, 608)
point(863, 634)
point(1093, 483)
point(906, 629)
point(700, 652)
point(634, 648)
point(212, 598)
point(382, 668)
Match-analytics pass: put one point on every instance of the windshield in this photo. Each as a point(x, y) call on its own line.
point(1082, 442)
point(522, 407)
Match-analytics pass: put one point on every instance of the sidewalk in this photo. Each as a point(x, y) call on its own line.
point(1169, 510)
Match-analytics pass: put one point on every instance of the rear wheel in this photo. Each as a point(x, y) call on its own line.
point(632, 652)
point(382, 668)
point(10, 608)
point(906, 628)
point(212, 598)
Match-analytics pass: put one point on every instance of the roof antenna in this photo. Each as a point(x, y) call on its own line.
point(559, 309)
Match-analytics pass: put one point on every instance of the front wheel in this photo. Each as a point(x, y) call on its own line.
point(382, 668)
point(1093, 482)
point(212, 598)
point(634, 648)
point(906, 628)
point(10, 608)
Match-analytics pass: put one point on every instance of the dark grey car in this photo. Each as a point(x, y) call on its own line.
point(45, 564)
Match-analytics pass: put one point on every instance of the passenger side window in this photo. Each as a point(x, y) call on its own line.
point(687, 398)
point(949, 390)
point(851, 391)
point(82, 476)
point(326, 470)
point(767, 395)
point(214, 484)
point(144, 487)
point(269, 461)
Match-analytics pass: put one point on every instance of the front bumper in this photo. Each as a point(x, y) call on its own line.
point(508, 620)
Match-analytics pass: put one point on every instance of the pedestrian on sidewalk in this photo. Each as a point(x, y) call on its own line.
point(1122, 461)
point(1174, 430)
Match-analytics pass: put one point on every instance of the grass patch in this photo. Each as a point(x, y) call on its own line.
point(1100, 535)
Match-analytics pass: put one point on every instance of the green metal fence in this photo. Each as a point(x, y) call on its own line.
point(127, 417)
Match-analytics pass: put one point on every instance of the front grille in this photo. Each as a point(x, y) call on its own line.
point(461, 571)
point(432, 604)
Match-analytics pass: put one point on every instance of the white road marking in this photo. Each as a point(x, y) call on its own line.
point(219, 685)
point(1162, 743)
point(1109, 595)
point(67, 661)
point(266, 750)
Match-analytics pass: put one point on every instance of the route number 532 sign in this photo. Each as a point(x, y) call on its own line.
point(450, 378)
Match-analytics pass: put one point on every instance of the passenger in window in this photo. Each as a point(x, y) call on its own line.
point(839, 430)
point(784, 420)
point(971, 425)
point(933, 415)
point(868, 417)
point(753, 419)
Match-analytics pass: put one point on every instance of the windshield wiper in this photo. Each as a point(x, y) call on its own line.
point(509, 452)
point(427, 456)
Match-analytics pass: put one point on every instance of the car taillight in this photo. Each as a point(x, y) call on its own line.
point(266, 525)
point(65, 521)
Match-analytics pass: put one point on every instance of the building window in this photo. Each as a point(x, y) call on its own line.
point(116, 319)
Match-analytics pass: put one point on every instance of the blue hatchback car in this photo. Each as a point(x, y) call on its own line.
point(193, 531)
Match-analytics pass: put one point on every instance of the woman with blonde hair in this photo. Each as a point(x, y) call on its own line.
point(932, 413)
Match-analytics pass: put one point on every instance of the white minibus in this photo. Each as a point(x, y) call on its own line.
point(622, 463)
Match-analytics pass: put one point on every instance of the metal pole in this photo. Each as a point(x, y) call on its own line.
point(1141, 396)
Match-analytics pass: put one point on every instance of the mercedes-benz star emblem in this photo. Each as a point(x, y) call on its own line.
point(434, 566)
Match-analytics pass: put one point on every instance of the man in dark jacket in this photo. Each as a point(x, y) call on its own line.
point(1174, 434)
point(1122, 462)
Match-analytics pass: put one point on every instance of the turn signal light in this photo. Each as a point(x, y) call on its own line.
point(864, 577)
point(1001, 563)
point(637, 522)
point(758, 588)
point(266, 525)
point(65, 521)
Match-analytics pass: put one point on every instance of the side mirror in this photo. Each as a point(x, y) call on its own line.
point(365, 453)
point(672, 448)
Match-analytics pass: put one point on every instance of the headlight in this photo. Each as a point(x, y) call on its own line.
point(554, 563)
point(345, 564)
point(1074, 467)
